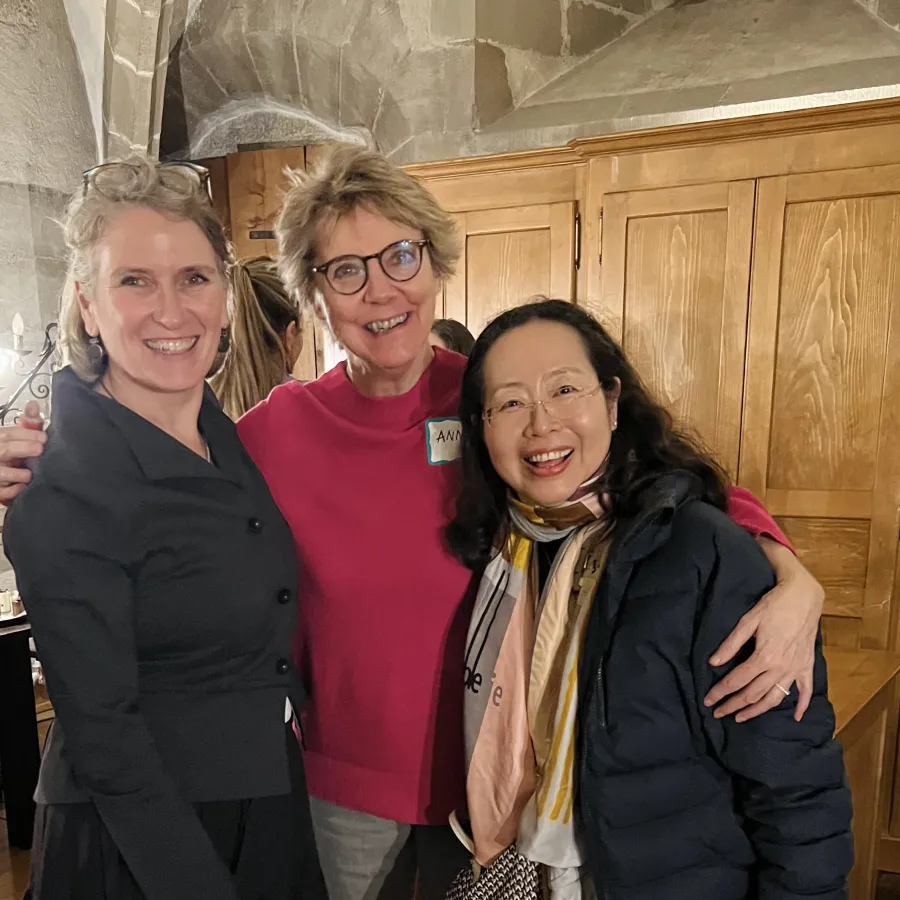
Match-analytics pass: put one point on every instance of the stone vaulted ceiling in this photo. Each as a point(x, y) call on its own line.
point(394, 73)
point(424, 79)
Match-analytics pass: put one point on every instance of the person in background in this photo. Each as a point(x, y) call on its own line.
point(264, 340)
point(159, 578)
point(452, 335)
point(605, 545)
point(363, 464)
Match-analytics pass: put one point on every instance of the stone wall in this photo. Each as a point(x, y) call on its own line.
point(429, 79)
point(392, 73)
point(758, 56)
point(87, 22)
point(46, 140)
point(886, 10)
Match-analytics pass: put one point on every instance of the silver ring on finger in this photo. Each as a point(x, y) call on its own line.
point(783, 689)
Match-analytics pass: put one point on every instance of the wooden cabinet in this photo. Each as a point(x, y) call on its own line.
point(754, 279)
point(256, 184)
point(248, 188)
point(509, 255)
point(676, 275)
point(864, 695)
point(518, 219)
point(764, 314)
point(822, 401)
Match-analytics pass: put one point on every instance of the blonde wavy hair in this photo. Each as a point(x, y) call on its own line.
point(137, 182)
point(348, 177)
point(256, 360)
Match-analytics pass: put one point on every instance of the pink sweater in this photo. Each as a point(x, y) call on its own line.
point(365, 486)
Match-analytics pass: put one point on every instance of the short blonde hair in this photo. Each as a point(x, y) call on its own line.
point(349, 177)
point(137, 182)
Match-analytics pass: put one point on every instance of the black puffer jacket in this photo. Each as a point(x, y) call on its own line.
point(677, 805)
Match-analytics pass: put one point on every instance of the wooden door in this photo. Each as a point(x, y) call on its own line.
point(675, 283)
point(510, 255)
point(822, 401)
point(256, 186)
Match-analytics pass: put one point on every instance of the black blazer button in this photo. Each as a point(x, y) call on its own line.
point(284, 596)
point(282, 666)
point(254, 526)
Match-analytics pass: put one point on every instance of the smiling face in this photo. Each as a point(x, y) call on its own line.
point(157, 301)
point(383, 326)
point(544, 455)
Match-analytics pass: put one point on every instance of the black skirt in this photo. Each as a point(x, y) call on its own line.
point(266, 842)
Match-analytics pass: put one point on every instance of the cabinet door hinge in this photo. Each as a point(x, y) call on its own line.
point(577, 241)
point(600, 237)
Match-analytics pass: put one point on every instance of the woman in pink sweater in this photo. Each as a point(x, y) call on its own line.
point(362, 464)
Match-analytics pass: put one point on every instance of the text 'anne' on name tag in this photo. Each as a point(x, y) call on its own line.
point(442, 440)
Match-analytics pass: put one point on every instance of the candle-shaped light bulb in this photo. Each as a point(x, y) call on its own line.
point(18, 330)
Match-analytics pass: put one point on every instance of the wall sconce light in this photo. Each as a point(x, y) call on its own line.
point(35, 381)
point(18, 330)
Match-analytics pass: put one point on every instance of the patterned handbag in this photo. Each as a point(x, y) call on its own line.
point(509, 877)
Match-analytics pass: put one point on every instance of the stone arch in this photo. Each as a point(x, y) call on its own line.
point(421, 77)
point(289, 67)
point(139, 38)
point(243, 123)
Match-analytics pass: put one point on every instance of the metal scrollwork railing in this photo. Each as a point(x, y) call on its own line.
point(36, 378)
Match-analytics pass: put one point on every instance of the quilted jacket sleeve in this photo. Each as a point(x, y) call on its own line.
point(789, 776)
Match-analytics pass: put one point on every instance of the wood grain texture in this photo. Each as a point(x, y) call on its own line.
point(821, 504)
point(506, 188)
point(674, 285)
point(510, 254)
point(841, 633)
point(676, 272)
point(855, 679)
point(836, 551)
point(762, 329)
point(256, 186)
point(862, 687)
point(502, 271)
point(864, 762)
point(837, 285)
point(821, 419)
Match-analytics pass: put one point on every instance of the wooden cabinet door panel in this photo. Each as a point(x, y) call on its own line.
point(256, 186)
point(510, 255)
point(676, 270)
point(822, 402)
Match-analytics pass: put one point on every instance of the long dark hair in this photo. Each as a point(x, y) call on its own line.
point(645, 445)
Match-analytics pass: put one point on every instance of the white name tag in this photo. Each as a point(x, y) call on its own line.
point(442, 440)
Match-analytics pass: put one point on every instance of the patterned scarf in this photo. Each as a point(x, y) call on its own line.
point(521, 688)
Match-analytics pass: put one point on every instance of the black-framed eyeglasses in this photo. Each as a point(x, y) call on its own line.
point(107, 178)
point(400, 261)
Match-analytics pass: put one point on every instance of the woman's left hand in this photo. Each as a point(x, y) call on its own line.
point(784, 623)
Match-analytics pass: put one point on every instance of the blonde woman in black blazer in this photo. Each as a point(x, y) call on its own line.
point(159, 578)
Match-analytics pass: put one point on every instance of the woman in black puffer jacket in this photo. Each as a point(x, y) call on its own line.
point(612, 575)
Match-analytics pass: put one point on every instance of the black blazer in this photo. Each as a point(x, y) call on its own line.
point(161, 592)
point(678, 805)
